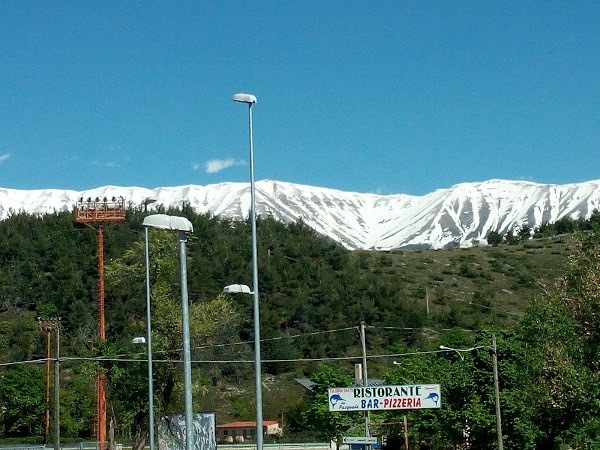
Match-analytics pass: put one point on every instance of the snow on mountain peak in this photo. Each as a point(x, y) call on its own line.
point(457, 215)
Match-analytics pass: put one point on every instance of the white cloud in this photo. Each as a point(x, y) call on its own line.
point(216, 165)
point(109, 164)
point(196, 166)
point(4, 157)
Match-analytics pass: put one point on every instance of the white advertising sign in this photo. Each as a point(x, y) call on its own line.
point(359, 440)
point(375, 398)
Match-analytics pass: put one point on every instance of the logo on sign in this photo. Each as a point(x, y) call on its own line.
point(433, 396)
point(335, 399)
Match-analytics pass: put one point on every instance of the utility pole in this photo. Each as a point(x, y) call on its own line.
point(405, 433)
point(494, 350)
point(497, 392)
point(57, 391)
point(364, 372)
point(48, 325)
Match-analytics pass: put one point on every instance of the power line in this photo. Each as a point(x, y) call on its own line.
point(421, 329)
point(125, 358)
point(219, 361)
point(31, 361)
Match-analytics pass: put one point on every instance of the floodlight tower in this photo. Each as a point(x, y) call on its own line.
point(94, 213)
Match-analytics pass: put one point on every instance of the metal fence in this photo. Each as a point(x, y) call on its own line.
point(94, 446)
point(64, 446)
point(279, 446)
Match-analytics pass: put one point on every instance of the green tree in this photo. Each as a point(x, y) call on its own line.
point(494, 238)
point(579, 289)
point(462, 408)
point(212, 322)
point(545, 229)
point(560, 366)
point(77, 401)
point(22, 401)
point(511, 238)
point(565, 225)
point(524, 232)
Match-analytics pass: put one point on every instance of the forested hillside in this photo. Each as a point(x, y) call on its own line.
point(313, 295)
point(48, 267)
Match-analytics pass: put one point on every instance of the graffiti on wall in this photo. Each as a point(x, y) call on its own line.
point(171, 432)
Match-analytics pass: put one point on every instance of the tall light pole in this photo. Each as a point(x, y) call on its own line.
point(146, 202)
point(99, 212)
point(250, 100)
point(182, 226)
point(494, 351)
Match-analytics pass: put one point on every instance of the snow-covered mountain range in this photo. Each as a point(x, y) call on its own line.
point(458, 215)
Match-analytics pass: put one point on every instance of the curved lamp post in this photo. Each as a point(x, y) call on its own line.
point(245, 289)
point(493, 349)
point(250, 100)
point(182, 226)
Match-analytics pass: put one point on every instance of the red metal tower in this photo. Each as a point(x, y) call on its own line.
point(94, 213)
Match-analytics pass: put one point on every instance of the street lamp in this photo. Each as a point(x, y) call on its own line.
point(245, 289)
point(182, 226)
point(494, 351)
point(148, 339)
point(458, 352)
point(250, 100)
point(237, 289)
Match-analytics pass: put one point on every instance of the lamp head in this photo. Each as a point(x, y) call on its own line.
point(244, 98)
point(166, 222)
point(237, 289)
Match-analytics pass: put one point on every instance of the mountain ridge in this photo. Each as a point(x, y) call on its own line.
point(451, 216)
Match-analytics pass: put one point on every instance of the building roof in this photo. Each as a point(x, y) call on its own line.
point(308, 384)
point(247, 424)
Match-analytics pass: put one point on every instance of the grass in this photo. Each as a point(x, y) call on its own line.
point(500, 279)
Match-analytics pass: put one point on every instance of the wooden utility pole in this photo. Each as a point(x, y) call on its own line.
point(494, 350)
point(57, 391)
point(405, 433)
point(48, 325)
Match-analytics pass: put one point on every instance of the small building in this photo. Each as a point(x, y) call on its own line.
point(240, 431)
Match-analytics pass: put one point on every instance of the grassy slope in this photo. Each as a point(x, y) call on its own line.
point(509, 275)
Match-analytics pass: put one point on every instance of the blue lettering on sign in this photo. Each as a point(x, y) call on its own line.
point(369, 404)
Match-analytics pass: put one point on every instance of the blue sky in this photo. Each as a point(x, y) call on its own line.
point(384, 97)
